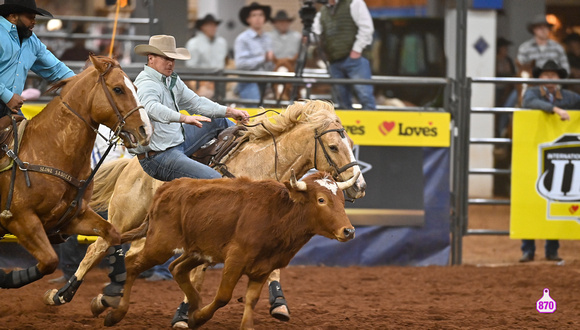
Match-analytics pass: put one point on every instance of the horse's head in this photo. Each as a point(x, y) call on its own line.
point(333, 151)
point(115, 103)
point(334, 154)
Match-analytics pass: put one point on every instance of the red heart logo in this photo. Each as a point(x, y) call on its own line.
point(573, 209)
point(386, 126)
point(430, 123)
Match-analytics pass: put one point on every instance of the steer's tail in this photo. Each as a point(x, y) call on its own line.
point(137, 233)
point(105, 181)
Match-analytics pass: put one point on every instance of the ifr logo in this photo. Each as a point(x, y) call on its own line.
point(559, 176)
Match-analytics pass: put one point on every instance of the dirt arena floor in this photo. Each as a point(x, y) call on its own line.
point(490, 290)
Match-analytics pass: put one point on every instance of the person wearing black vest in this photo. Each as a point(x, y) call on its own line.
point(346, 29)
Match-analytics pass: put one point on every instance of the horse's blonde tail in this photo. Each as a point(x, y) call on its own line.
point(105, 181)
point(136, 233)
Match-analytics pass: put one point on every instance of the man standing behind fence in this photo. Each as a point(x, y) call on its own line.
point(346, 28)
point(551, 99)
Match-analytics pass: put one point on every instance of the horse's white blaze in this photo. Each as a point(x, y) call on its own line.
point(356, 168)
point(328, 184)
point(142, 112)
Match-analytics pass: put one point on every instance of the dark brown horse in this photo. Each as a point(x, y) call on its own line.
point(54, 163)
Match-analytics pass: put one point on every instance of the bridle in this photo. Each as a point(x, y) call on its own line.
point(317, 141)
point(120, 118)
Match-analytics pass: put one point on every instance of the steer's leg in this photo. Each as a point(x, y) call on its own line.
point(183, 271)
point(278, 306)
point(230, 276)
point(137, 262)
point(252, 295)
point(196, 276)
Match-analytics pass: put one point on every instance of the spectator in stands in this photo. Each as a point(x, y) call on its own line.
point(208, 51)
point(572, 42)
point(78, 51)
point(347, 30)
point(21, 51)
point(285, 42)
point(551, 99)
point(253, 48)
point(541, 48)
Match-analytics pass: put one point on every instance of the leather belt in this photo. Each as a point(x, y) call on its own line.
point(147, 154)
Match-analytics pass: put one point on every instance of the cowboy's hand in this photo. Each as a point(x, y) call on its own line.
point(564, 115)
point(354, 54)
point(239, 115)
point(270, 56)
point(194, 120)
point(15, 103)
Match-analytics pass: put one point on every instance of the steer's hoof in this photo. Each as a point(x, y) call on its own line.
point(97, 306)
point(48, 297)
point(281, 313)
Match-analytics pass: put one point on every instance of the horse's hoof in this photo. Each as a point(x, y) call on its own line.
point(48, 297)
point(180, 325)
point(281, 313)
point(97, 306)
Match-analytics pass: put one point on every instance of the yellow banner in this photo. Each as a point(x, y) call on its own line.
point(545, 198)
point(395, 128)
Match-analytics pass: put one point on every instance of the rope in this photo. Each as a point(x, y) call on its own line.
point(114, 29)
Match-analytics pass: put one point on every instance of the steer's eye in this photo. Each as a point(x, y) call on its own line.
point(333, 148)
point(118, 90)
point(321, 200)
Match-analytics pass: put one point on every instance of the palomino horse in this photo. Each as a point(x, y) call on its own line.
point(54, 162)
point(308, 135)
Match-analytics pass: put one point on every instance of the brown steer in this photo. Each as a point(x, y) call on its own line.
point(253, 227)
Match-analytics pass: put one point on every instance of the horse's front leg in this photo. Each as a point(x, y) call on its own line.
point(32, 237)
point(278, 305)
point(95, 253)
point(90, 223)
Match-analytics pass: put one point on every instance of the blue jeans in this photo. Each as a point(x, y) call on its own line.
point(359, 68)
point(175, 163)
point(551, 247)
point(249, 91)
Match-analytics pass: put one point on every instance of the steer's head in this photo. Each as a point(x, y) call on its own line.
point(323, 200)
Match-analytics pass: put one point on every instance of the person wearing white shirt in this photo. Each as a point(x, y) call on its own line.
point(285, 42)
point(208, 51)
point(346, 28)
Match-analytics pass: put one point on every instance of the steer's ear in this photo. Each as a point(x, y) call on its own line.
point(298, 195)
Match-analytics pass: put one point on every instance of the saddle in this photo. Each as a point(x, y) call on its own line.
point(7, 138)
point(216, 149)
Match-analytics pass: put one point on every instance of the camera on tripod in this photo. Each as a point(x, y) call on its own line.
point(308, 12)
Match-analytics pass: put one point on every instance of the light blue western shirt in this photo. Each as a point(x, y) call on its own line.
point(162, 98)
point(17, 59)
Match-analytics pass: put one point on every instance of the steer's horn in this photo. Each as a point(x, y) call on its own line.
point(349, 183)
point(298, 185)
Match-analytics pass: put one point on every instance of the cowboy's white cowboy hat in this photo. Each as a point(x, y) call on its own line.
point(163, 45)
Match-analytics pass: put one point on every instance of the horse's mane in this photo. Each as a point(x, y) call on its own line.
point(316, 113)
point(88, 65)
